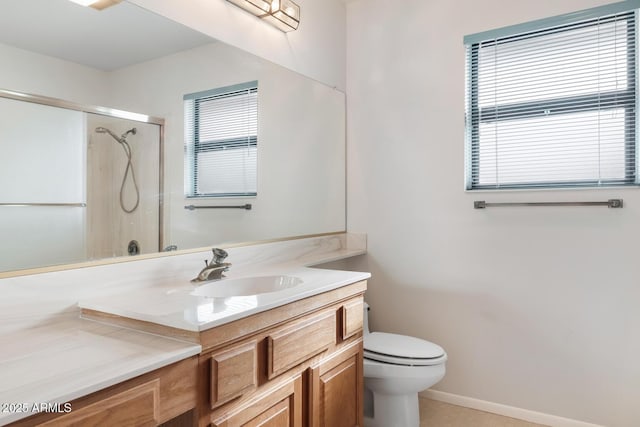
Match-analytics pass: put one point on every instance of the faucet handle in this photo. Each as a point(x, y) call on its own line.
point(219, 255)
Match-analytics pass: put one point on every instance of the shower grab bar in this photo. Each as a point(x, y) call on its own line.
point(72, 205)
point(611, 203)
point(194, 207)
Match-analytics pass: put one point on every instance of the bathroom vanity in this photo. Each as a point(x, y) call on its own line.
point(299, 364)
point(291, 357)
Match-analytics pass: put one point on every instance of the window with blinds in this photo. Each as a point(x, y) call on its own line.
point(553, 105)
point(221, 141)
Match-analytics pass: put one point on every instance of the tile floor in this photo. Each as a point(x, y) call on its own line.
point(439, 414)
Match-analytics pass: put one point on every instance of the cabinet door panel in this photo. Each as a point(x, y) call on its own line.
point(336, 396)
point(233, 372)
point(336, 391)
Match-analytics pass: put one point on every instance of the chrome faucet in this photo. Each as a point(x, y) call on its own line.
point(213, 270)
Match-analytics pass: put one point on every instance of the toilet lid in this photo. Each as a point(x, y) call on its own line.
point(389, 347)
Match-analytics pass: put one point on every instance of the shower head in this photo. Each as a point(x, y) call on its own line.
point(120, 139)
point(131, 131)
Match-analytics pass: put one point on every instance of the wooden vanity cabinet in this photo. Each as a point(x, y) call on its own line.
point(293, 366)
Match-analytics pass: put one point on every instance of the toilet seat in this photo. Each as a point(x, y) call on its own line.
point(402, 350)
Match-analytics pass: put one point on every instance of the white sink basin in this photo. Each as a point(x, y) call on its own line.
point(246, 286)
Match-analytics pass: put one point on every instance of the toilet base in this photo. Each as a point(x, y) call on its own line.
point(394, 410)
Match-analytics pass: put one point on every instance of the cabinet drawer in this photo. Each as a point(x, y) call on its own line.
point(352, 313)
point(233, 372)
point(138, 406)
point(277, 407)
point(300, 342)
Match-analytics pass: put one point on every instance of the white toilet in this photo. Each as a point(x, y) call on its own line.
point(396, 368)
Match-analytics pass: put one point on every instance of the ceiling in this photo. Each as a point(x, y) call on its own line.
point(113, 38)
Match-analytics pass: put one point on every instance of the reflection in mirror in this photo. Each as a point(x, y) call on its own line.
point(122, 198)
point(42, 197)
point(137, 61)
point(71, 191)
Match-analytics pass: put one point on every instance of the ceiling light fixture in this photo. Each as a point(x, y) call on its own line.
point(256, 7)
point(282, 14)
point(97, 4)
point(84, 2)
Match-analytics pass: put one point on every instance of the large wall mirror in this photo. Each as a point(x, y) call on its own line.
point(67, 191)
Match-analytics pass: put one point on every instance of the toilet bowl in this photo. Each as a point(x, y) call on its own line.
point(396, 368)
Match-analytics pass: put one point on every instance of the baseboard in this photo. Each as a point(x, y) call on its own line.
point(507, 411)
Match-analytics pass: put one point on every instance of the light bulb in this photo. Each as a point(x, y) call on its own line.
point(84, 2)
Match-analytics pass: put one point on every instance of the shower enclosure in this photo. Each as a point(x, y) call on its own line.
point(78, 183)
point(122, 211)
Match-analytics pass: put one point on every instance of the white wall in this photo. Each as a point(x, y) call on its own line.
point(29, 72)
point(316, 49)
point(537, 308)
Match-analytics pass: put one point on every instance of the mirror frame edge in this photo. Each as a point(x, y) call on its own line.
point(154, 255)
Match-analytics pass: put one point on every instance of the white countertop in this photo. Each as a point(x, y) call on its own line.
point(173, 305)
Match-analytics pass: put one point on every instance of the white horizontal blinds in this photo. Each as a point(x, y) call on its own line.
point(222, 159)
point(554, 107)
